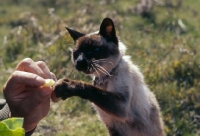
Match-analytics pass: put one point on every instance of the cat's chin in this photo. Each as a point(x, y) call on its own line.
point(86, 72)
point(90, 73)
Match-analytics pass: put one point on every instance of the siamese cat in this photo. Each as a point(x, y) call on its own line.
point(119, 94)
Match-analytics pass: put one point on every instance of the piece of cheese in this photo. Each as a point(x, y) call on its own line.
point(48, 82)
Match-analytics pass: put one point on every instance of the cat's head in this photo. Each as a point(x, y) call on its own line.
point(96, 53)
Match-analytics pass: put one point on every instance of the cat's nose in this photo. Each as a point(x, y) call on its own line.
point(81, 64)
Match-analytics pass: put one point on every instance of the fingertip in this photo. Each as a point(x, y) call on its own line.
point(53, 76)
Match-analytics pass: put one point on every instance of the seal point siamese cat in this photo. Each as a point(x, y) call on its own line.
point(119, 94)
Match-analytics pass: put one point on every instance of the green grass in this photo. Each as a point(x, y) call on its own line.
point(167, 53)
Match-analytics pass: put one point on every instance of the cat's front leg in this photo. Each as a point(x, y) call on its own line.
point(110, 102)
point(65, 88)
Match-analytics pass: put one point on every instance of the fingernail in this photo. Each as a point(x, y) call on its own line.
point(40, 80)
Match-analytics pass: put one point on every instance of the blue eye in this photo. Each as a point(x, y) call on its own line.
point(97, 49)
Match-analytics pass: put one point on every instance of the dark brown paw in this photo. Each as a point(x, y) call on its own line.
point(62, 88)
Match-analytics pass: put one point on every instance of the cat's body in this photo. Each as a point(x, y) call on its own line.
point(119, 93)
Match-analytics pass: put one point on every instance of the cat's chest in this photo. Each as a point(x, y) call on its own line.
point(103, 82)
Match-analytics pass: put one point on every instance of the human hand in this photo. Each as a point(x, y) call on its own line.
point(24, 94)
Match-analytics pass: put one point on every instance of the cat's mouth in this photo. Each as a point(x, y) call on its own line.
point(93, 67)
point(81, 65)
point(85, 69)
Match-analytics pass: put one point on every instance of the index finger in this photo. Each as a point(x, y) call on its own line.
point(42, 65)
point(28, 65)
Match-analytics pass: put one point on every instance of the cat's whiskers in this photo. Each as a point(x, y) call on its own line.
point(102, 69)
point(71, 71)
point(102, 60)
point(95, 69)
point(94, 60)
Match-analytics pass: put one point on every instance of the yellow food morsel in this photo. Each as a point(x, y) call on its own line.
point(49, 82)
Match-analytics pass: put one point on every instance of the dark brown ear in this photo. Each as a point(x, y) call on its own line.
point(74, 34)
point(107, 30)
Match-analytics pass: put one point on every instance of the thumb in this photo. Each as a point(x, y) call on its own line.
point(44, 92)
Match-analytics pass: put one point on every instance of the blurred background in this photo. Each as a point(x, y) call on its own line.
point(162, 37)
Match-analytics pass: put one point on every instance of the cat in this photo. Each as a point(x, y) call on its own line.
point(119, 94)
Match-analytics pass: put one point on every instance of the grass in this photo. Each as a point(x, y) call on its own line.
point(165, 45)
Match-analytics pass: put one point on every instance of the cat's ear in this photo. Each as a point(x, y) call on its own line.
point(74, 34)
point(107, 30)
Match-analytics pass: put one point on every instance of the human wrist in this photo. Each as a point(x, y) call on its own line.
point(29, 133)
point(29, 127)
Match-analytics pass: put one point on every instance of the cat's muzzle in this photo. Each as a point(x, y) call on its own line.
point(81, 65)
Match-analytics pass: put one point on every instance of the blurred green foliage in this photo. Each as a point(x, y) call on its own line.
point(12, 127)
point(164, 43)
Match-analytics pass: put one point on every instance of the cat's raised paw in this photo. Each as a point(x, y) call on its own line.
point(62, 88)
